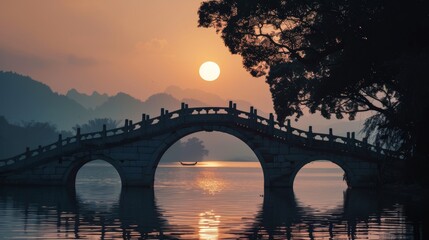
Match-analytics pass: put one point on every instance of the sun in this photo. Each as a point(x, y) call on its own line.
point(209, 71)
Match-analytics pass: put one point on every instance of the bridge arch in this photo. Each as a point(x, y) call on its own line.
point(70, 174)
point(348, 173)
point(175, 136)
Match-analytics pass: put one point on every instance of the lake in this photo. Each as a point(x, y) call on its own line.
point(212, 200)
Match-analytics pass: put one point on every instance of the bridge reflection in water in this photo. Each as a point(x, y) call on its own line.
point(51, 212)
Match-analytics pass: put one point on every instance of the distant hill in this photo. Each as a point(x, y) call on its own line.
point(88, 101)
point(24, 99)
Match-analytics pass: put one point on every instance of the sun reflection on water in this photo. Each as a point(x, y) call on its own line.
point(210, 183)
point(208, 225)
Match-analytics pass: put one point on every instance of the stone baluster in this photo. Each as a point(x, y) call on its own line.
point(27, 152)
point(234, 109)
point(348, 141)
point(78, 135)
point(104, 133)
point(331, 136)
point(126, 126)
point(310, 135)
point(230, 104)
point(60, 141)
point(365, 142)
point(183, 109)
point(271, 122)
point(143, 122)
point(130, 126)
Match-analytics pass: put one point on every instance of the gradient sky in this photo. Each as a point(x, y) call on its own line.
point(137, 47)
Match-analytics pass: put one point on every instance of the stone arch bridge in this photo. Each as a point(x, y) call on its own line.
point(136, 149)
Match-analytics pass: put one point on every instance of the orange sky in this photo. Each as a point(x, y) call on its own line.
point(137, 47)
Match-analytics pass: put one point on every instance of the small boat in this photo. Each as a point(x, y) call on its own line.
point(188, 164)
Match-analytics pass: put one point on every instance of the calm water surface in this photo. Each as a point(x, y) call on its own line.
point(213, 201)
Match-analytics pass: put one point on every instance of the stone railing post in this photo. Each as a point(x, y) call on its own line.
point(104, 133)
point(27, 152)
point(348, 141)
point(143, 122)
point(234, 109)
point(60, 141)
point(130, 127)
point(271, 120)
point(310, 135)
point(125, 128)
point(78, 135)
point(365, 142)
point(331, 137)
point(162, 114)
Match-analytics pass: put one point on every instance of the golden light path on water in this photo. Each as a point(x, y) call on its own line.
point(208, 225)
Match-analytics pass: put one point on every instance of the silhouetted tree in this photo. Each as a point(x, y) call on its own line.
point(96, 125)
point(338, 58)
point(193, 150)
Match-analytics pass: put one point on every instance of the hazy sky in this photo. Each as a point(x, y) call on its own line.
point(137, 47)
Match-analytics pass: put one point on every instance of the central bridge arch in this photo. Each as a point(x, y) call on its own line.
point(175, 136)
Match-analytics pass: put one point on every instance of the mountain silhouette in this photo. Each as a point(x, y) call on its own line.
point(24, 99)
point(88, 101)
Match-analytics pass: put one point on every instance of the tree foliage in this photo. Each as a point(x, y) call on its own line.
point(96, 125)
point(192, 150)
point(338, 57)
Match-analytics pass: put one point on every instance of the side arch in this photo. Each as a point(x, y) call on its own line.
point(69, 177)
point(349, 175)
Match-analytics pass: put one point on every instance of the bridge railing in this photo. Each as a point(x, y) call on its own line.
point(249, 119)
